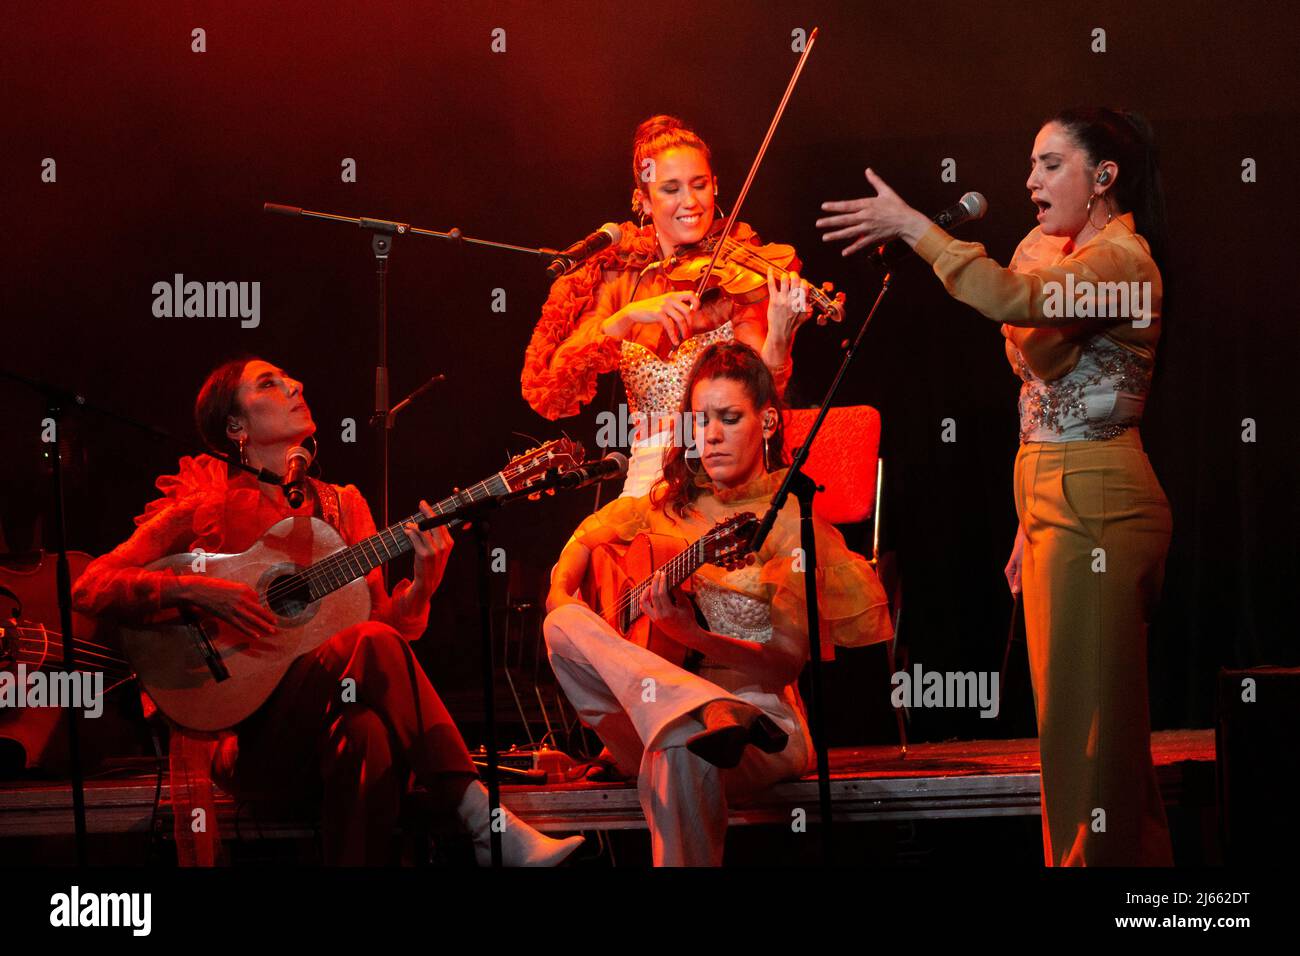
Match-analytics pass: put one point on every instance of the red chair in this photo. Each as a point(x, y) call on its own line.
point(845, 458)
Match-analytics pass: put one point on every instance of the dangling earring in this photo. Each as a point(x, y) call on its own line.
point(767, 466)
point(243, 458)
point(1109, 214)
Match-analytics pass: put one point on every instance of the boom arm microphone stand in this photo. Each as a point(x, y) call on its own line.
point(804, 488)
point(383, 232)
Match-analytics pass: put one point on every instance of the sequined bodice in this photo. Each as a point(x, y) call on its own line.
point(654, 385)
point(1098, 399)
point(732, 612)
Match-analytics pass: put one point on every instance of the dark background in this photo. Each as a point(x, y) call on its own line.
point(165, 157)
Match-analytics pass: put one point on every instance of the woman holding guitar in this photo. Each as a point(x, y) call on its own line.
point(622, 310)
point(685, 731)
point(353, 715)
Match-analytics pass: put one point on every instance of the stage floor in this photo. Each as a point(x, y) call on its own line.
point(953, 780)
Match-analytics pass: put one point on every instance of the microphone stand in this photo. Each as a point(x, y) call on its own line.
point(476, 513)
point(383, 232)
point(804, 488)
point(58, 402)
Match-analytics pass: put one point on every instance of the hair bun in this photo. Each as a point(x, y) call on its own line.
point(659, 124)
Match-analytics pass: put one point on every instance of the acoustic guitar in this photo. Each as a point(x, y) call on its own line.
point(35, 738)
point(206, 674)
point(618, 575)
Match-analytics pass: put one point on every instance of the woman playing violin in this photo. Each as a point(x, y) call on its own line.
point(625, 310)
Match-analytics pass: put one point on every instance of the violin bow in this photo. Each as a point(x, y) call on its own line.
point(758, 160)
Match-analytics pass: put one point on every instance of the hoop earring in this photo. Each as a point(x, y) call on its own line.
point(697, 470)
point(1109, 214)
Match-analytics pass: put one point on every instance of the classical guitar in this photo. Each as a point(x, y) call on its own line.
point(204, 674)
point(618, 575)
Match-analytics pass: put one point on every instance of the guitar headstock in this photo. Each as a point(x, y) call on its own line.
point(562, 454)
point(727, 545)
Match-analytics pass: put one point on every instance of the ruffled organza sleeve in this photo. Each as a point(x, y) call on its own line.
point(852, 603)
point(359, 524)
point(568, 351)
point(1021, 297)
point(617, 523)
point(187, 516)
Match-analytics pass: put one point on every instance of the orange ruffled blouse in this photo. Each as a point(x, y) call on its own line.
point(203, 507)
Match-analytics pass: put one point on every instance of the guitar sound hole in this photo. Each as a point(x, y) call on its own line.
point(288, 600)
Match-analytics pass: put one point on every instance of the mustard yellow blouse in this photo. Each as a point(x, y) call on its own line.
point(854, 608)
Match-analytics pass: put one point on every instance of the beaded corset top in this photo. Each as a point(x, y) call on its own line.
point(733, 612)
point(654, 385)
point(1100, 398)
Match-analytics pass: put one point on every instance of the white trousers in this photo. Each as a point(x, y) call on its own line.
point(643, 708)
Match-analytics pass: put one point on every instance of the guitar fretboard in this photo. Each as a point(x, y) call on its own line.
point(344, 567)
point(678, 569)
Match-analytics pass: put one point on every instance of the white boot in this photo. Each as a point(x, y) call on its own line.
point(521, 845)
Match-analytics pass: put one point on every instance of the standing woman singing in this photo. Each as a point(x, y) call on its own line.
point(1080, 313)
point(620, 311)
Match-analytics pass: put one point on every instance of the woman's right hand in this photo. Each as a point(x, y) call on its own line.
point(672, 311)
point(1012, 570)
point(236, 604)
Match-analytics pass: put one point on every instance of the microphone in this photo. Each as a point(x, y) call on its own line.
point(602, 238)
point(296, 461)
point(971, 206)
point(613, 465)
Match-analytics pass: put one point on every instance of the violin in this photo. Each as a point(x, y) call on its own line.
point(740, 268)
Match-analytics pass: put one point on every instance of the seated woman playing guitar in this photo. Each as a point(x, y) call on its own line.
point(353, 715)
point(687, 735)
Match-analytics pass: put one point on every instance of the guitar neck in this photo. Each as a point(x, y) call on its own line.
point(344, 567)
point(678, 569)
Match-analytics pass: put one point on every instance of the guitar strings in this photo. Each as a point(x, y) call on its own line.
point(633, 596)
point(110, 658)
point(76, 641)
point(340, 565)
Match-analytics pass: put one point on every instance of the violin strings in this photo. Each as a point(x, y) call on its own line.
point(739, 249)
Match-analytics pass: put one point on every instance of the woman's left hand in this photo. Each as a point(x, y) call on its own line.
point(872, 220)
point(672, 614)
point(788, 306)
point(432, 551)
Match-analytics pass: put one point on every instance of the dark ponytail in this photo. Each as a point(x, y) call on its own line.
point(1126, 138)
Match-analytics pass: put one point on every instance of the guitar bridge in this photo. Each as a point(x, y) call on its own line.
point(211, 658)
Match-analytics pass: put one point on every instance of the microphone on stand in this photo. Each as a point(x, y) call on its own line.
point(972, 206)
point(296, 462)
point(613, 465)
point(565, 261)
